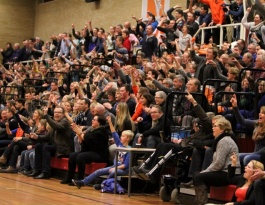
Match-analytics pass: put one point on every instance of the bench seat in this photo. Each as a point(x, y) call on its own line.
point(222, 193)
point(62, 164)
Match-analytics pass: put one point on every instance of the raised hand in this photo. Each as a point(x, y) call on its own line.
point(233, 101)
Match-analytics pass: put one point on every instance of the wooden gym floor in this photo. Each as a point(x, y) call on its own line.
point(16, 189)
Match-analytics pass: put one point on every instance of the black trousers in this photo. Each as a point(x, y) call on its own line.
point(80, 159)
point(200, 160)
point(13, 151)
point(217, 178)
point(43, 154)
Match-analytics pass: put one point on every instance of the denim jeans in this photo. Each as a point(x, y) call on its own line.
point(24, 161)
point(245, 158)
point(31, 159)
point(104, 171)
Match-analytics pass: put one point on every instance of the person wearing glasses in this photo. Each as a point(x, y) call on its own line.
point(60, 143)
point(149, 137)
point(215, 174)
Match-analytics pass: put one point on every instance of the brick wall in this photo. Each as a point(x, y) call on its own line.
point(62, 13)
point(21, 19)
point(17, 19)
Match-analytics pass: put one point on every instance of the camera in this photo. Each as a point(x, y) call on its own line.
point(102, 62)
point(233, 7)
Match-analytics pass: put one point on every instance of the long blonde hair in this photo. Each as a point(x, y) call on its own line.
point(259, 132)
point(123, 115)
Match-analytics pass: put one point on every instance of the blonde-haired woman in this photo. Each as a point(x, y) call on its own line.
point(123, 122)
point(216, 174)
point(123, 119)
point(244, 193)
point(258, 135)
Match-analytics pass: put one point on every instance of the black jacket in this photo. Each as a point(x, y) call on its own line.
point(60, 136)
point(239, 181)
point(96, 140)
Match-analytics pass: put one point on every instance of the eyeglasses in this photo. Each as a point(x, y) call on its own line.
point(215, 125)
point(157, 97)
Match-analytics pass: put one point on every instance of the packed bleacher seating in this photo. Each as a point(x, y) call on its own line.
point(161, 79)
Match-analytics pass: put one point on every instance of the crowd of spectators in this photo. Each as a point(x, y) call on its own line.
point(56, 95)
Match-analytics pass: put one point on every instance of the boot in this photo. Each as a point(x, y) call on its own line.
point(3, 160)
point(201, 194)
point(68, 179)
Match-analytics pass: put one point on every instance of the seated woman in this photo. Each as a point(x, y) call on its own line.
point(258, 133)
point(223, 147)
point(20, 143)
point(244, 193)
point(123, 122)
point(123, 158)
point(94, 148)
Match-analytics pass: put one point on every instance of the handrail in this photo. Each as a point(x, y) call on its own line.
point(217, 81)
point(168, 100)
point(202, 29)
point(230, 93)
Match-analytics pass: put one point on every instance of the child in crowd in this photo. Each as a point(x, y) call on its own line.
point(28, 156)
point(123, 158)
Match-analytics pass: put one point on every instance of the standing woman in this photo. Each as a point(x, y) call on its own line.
point(94, 148)
point(253, 27)
point(223, 147)
point(184, 38)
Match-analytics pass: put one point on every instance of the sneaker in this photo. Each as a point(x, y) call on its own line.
point(78, 183)
point(27, 172)
point(20, 171)
point(187, 185)
point(97, 186)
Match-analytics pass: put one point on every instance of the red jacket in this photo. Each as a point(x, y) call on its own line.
point(127, 44)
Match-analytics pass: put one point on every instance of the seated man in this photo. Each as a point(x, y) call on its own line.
point(60, 143)
point(150, 137)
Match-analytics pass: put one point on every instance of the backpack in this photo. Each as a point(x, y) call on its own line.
point(107, 186)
